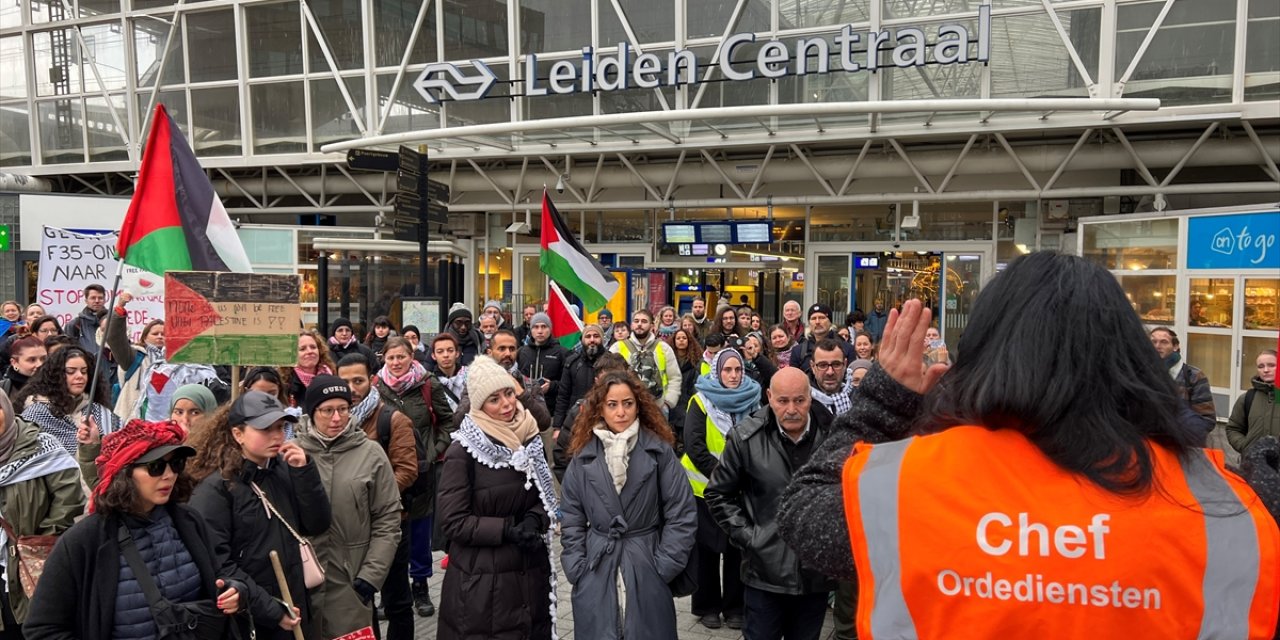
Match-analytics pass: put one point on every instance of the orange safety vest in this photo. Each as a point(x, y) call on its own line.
point(973, 533)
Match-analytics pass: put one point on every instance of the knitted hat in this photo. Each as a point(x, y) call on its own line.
point(592, 327)
point(819, 308)
point(859, 364)
point(605, 313)
point(459, 310)
point(340, 322)
point(540, 318)
point(137, 441)
point(495, 304)
point(324, 388)
point(486, 377)
point(198, 394)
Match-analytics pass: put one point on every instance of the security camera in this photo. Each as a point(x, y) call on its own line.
point(560, 184)
point(897, 245)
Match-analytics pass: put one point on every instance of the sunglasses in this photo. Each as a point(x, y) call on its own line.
point(156, 468)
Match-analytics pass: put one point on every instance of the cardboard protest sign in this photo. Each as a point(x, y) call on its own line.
point(71, 261)
point(359, 634)
point(232, 318)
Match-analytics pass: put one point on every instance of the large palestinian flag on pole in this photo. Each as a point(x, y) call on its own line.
point(565, 261)
point(175, 221)
point(565, 325)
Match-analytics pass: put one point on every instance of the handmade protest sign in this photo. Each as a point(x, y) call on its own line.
point(232, 318)
point(71, 261)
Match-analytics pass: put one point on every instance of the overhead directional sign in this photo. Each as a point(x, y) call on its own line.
point(232, 318)
point(373, 160)
point(447, 80)
point(418, 200)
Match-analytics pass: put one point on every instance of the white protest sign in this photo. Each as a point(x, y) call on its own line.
point(71, 261)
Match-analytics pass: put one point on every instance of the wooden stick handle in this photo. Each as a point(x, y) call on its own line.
point(284, 590)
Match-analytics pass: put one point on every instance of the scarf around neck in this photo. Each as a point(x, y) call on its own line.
point(305, 378)
point(361, 412)
point(840, 402)
point(617, 450)
point(350, 341)
point(403, 383)
point(512, 435)
point(735, 403)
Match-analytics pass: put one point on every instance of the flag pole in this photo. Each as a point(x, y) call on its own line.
point(97, 361)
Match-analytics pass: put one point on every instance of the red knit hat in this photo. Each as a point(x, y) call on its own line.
point(136, 440)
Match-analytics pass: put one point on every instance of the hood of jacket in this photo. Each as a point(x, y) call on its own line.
point(28, 438)
point(1262, 387)
point(351, 437)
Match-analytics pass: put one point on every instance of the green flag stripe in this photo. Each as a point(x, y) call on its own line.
point(559, 269)
point(570, 340)
point(164, 249)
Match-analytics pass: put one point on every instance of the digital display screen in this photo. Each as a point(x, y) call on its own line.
point(754, 232)
point(868, 263)
point(712, 233)
point(678, 233)
point(700, 249)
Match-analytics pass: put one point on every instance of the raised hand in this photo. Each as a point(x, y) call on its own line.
point(902, 348)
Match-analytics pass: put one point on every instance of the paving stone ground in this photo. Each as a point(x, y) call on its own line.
point(686, 622)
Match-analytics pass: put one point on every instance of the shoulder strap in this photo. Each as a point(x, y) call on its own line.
point(426, 398)
point(140, 571)
point(384, 427)
point(272, 508)
point(1248, 402)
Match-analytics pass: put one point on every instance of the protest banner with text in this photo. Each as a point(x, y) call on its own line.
point(232, 318)
point(71, 261)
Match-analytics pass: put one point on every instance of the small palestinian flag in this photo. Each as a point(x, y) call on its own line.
point(175, 221)
point(565, 325)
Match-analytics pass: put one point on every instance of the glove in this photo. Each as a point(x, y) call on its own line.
point(364, 590)
point(529, 531)
point(512, 532)
point(1260, 467)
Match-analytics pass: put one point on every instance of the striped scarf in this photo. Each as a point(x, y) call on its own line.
point(64, 427)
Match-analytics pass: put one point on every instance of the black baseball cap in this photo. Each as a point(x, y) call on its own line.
point(258, 410)
point(183, 451)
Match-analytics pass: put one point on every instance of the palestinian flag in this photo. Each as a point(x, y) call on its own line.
point(565, 261)
point(175, 221)
point(565, 325)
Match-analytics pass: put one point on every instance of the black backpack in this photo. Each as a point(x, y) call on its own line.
point(422, 484)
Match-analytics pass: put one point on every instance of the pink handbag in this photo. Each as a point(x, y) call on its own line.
point(312, 572)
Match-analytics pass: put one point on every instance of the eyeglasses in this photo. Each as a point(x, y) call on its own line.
point(828, 366)
point(327, 412)
point(156, 468)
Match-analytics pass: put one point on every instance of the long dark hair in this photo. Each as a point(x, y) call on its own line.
point(50, 381)
point(693, 354)
point(216, 449)
point(1090, 395)
point(592, 411)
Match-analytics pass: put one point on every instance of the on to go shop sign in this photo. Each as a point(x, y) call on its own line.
point(1234, 241)
point(854, 51)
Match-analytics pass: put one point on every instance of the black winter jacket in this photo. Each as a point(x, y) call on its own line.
point(77, 595)
point(745, 493)
point(802, 353)
point(241, 533)
point(337, 352)
point(576, 379)
point(545, 361)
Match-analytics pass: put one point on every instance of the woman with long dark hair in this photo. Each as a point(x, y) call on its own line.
point(378, 336)
point(255, 491)
point(140, 544)
point(57, 397)
point(1041, 466)
point(782, 343)
point(689, 355)
point(621, 447)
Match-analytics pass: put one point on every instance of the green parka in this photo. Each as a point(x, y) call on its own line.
point(364, 530)
point(42, 506)
point(1264, 416)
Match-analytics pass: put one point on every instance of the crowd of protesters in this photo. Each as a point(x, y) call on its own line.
point(775, 474)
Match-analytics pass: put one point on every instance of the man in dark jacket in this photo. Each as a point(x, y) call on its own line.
point(503, 350)
point(783, 599)
point(84, 327)
point(819, 330)
point(342, 341)
point(542, 360)
point(831, 385)
point(470, 342)
point(1193, 384)
point(578, 375)
point(522, 331)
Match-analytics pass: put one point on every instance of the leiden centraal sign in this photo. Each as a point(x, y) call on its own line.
point(854, 51)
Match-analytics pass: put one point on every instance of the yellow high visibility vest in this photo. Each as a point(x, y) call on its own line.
point(658, 355)
point(715, 444)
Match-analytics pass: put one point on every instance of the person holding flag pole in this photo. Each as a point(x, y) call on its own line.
point(175, 220)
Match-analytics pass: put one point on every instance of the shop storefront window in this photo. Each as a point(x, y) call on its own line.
point(1212, 302)
point(1153, 297)
point(1133, 245)
point(1262, 304)
point(1212, 354)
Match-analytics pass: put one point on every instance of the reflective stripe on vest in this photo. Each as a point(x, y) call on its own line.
point(1021, 541)
point(658, 357)
point(715, 444)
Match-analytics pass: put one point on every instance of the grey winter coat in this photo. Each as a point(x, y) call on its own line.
point(364, 531)
point(647, 533)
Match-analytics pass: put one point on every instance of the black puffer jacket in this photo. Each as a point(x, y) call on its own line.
point(545, 361)
point(241, 534)
point(337, 352)
point(745, 493)
point(576, 379)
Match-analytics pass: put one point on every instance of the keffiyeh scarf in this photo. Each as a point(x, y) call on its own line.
point(455, 384)
point(360, 412)
point(841, 402)
point(63, 428)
